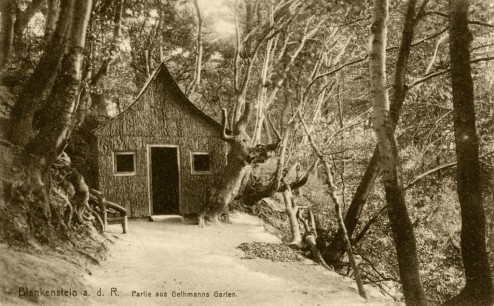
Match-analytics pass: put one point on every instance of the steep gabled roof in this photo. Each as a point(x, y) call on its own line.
point(173, 86)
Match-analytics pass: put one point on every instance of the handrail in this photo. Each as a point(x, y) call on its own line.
point(98, 197)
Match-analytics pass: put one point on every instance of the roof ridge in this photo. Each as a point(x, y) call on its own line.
point(145, 87)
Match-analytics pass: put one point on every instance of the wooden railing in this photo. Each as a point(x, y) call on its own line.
point(110, 213)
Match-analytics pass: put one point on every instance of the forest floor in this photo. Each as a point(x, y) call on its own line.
point(179, 259)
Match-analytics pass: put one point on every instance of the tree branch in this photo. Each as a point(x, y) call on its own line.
point(359, 60)
point(476, 22)
point(367, 226)
point(444, 71)
point(439, 168)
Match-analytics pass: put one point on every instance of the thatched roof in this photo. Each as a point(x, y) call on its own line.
point(171, 85)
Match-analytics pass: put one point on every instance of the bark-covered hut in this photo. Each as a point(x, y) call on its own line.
point(162, 154)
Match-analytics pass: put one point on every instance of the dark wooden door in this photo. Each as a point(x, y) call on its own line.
point(164, 180)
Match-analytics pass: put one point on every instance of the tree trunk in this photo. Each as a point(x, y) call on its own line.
point(13, 23)
point(39, 85)
point(53, 134)
point(337, 203)
point(237, 167)
point(51, 18)
point(242, 150)
point(90, 96)
point(7, 11)
point(160, 36)
point(292, 216)
point(401, 225)
point(478, 288)
point(114, 47)
point(226, 191)
point(147, 62)
point(242, 154)
point(249, 24)
point(196, 82)
point(336, 249)
point(261, 100)
point(266, 31)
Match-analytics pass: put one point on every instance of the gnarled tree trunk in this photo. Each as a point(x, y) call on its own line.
point(55, 129)
point(58, 77)
point(242, 154)
point(39, 85)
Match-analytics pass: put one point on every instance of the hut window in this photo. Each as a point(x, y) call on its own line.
point(201, 162)
point(124, 163)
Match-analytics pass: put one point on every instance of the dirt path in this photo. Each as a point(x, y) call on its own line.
point(180, 259)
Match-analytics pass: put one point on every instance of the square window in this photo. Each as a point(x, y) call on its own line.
point(124, 163)
point(201, 163)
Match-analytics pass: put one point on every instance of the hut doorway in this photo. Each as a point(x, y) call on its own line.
point(164, 180)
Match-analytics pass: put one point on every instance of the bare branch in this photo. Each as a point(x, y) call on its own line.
point(360, 60)
point(439, 168)
point(354, 62)
point(367, 226)
point(436, 49)
point(444, 71)
point(303, 180)
point(273, 127)
point(421, 12)
point(114, 49)
point(476, 22)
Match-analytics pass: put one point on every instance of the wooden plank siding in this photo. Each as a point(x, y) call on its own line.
point(161, 115)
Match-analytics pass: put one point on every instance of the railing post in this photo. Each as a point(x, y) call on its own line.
point(125, 225)
point(105, 215)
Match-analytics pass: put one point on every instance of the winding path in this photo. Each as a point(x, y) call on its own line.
point(167, 263)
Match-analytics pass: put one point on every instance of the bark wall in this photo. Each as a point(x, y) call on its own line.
point(160, 116)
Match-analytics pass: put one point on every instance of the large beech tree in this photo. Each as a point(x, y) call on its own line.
point(401, 225)
point(336, 248)
point(42, 120)
point(55, 129)
point(240, 157)
point(39, 86)
point(478, 288)
point(43, 115)
point(243, 153)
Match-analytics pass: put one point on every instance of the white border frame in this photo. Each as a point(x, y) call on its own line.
point(148, 165)
point(114, 162)
point(192, 171)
